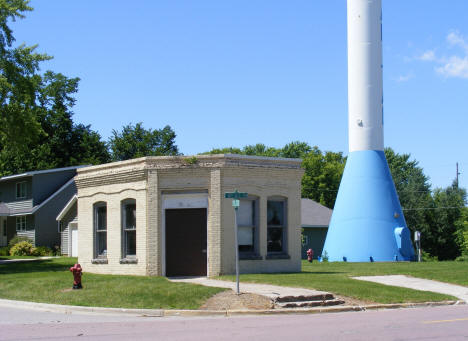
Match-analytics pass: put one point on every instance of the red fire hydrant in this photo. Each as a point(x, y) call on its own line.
point(310, 255)
point(76, 270)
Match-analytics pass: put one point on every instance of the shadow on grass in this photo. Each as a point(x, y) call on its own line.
point(43, 265)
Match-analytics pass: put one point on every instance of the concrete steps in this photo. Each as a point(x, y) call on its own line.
point(321, 300)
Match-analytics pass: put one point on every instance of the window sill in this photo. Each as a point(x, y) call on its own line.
point(99, 261)
point(250, 256)
point(129, 261)
point(278, 256)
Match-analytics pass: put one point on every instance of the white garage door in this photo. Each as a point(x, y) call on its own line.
point(74, 243)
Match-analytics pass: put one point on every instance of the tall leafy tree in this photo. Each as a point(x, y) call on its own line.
point(19, 81)
point(445, 238)
point(136, 141)
point(321, 180)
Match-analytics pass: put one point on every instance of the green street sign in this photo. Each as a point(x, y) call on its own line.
point(235, 195)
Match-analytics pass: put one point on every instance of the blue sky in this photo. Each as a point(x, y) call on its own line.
point(232, 73)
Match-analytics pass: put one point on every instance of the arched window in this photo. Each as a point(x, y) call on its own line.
point(128, 228)
point(100, 230)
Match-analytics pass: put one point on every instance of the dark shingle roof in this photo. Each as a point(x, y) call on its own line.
point(314, 214)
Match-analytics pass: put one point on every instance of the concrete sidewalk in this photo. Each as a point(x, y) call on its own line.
point(23, 260)
point(419, 284)
point(273, 292)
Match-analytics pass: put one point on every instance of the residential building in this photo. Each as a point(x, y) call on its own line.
point(30, 202)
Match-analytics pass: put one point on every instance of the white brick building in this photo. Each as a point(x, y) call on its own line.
point(168, 215)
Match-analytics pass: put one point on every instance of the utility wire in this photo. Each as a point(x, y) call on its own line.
point(433, 208)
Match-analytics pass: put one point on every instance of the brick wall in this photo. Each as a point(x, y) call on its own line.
point(145, 180)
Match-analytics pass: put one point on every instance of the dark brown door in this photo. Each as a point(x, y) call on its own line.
point(186, 242)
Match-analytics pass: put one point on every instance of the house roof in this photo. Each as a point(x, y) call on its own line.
point(4, 210)
point(32, 173)
point(314, 215)
point(67, 207)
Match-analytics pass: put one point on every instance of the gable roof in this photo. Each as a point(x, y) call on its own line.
point(67, 207)
point(45, 171)
point(314, 214)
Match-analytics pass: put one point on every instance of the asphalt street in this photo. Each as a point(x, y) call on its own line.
point(434, 323)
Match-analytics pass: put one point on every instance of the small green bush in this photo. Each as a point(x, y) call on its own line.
point(427, 257)
point(4, 251)
point(23, 248)
point(16, 239)
point(462, 258)
point(43, 251)
point(56, 251)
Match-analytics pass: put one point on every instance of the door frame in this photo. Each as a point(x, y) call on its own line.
point(72, 226)
point(182, 201)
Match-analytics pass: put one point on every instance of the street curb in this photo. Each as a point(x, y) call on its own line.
point(70, 309)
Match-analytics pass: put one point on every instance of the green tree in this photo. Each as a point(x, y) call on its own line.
point(445, 237)
point(136, 141)
point(19, 81)
point(36, 126)
point(322, 177)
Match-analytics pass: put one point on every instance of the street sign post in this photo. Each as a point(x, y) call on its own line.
point(235, 196)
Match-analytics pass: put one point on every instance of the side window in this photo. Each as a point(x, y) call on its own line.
point(21, 190)
point(247, 226)
point(276, 225)
point(21, 223)
point(128, 228)
point(100, 230)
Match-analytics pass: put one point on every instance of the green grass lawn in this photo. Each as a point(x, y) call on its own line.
point(50, 281)
point(336, 278)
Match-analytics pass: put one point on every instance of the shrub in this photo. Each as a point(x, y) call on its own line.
point(4, 251)
point(427, 257)
point(43, 251)
point(23, 248)
point(462, 258)
point(16, 239)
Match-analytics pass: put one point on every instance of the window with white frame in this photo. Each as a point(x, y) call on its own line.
point(129, 228)
point(21, 223)
point(247, 225)
point(100, 229)
point(21, 190)
point(276, 225)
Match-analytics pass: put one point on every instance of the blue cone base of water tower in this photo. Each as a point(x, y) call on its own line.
point(367, 224)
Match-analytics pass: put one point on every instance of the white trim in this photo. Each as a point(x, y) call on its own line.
point(181, 201)
point(67, 207)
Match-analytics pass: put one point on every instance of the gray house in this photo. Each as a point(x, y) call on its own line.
point(315, 219)
point(30, 203)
